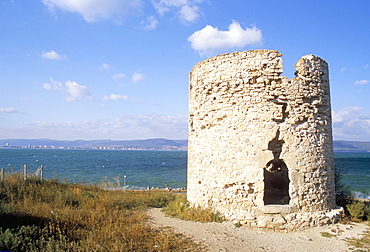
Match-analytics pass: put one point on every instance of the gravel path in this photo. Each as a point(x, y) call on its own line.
point(226, 237)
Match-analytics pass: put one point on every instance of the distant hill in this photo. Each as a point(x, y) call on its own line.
point(351, 146)
point(148, 144)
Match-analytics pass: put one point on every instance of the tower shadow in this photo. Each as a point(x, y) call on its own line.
point(276, 177)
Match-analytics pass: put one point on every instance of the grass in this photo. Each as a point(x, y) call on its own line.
point(327, 234)
point(53, 216)
point(356, 244)
point(180, 208)
point(361, 244)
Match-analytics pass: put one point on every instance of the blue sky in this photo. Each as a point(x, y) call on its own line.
point(118, 69)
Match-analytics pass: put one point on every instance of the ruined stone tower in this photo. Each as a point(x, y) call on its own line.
point(260, 145)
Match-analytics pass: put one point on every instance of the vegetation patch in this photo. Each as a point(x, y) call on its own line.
point(361, 244)
point(327, 234)
point(355, 209)
point(358, 210)
point(180, 208)
point(40, 215)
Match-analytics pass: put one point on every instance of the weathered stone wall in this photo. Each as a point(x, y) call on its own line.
point(248, 127)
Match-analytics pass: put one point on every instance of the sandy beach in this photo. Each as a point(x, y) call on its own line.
point(227, 237)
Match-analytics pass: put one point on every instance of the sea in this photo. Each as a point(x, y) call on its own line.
point(138, 169)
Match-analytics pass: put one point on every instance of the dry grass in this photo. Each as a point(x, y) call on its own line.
point(52, 216)
point(327, 234)
point(180, 208)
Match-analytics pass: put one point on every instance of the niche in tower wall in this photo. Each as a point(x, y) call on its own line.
point(276, 177)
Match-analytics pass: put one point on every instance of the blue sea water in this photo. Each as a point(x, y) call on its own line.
point(147, 168)
point(142, 168)
point(355, 171)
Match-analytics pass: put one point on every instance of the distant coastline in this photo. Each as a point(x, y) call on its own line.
point(147, 144)
point(351, 146)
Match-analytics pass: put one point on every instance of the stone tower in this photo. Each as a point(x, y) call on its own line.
point(260, 145)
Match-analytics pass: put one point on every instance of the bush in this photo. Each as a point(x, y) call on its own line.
point(354, 208)
point(343, 194)
point(32, 238)
point(10, 241)
point(358, 210)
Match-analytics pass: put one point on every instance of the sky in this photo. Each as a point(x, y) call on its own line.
point(118, 69)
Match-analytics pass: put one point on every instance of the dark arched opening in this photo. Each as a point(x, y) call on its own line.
point(276, 177)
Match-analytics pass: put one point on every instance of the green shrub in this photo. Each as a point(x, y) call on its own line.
point(31, 238)
point(10, 241)
point(358, 210)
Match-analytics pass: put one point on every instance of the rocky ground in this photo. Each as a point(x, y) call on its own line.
point(227, 237)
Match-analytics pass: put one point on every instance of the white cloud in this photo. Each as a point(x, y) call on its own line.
point(351, 124)
point(26, 100)
point(118, 76)
point(163, 6)
point(115, 97)
point(150, 23)
point(52, 124)
point(189, 13)
point(127, 127)
point(94, 10)
point(74, 90)
point(186, 10)
point(52, 55)
point(361, 82)
point(151, 126)
point(210, 39)
point(345, 114)
point(5, 3)
point(105, 66)
point(8, 110)
point(77, 91)
point(137, 77)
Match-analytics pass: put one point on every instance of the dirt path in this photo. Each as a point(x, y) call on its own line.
point(226, 237)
